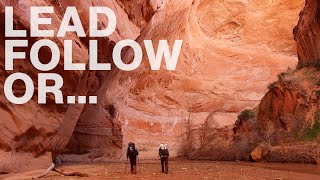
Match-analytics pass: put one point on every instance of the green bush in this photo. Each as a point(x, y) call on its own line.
point(313, 132)
point(245, 115)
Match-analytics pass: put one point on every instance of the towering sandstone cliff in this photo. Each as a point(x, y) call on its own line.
point(232, 50)
point(306, 34)
point(285, 127)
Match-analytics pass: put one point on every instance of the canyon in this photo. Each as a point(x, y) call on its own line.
point(233, 50)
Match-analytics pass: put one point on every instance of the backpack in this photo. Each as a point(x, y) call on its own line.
point(164, 150)
point(131, 150)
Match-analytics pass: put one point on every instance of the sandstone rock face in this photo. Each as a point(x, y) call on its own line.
point(307, 34)
point(31, 130)
point(292, 103)
point(290, 111)
point(288, 115)
point(275, 106)
point(285, 128)
point(27, 129)
point(232, 49)
point(291, 106)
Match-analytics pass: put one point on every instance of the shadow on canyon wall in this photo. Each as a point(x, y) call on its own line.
point(284, 127)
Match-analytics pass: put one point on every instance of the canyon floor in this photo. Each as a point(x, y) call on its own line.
point(183, 169)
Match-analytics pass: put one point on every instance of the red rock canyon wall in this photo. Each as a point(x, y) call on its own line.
point(232, 49)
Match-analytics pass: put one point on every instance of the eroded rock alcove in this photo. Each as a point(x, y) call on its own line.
point(232, 50)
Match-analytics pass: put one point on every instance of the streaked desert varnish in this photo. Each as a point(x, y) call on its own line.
point(234, 48)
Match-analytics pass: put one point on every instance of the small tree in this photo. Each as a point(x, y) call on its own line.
point(245, 115)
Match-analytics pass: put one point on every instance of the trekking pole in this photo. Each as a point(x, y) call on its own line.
point(125, 169)
point(138, 164)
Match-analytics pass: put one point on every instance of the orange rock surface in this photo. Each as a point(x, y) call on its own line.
point(232, 50)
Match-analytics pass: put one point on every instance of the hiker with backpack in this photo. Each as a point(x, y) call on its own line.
point(132, 154)
point(164, 156)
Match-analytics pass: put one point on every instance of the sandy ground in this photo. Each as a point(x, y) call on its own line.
point(182, 169)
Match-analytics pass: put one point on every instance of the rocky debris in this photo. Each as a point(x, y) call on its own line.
point(294, 152)
point(257, 153)
point(317, 161)
point(260, 152)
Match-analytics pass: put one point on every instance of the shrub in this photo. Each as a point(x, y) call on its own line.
point(272, 85)
point(304, 65)
point(313, 132)
point(313, 79)
point(315, 63)
point(281, 76)
point(245, 115)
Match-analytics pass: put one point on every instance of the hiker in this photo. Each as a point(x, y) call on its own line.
point(132, 153)
point(164, 156)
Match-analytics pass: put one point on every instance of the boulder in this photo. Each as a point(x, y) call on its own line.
point(260, 152)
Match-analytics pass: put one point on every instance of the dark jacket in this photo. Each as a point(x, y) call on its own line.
point(136, 153)
point(163, 152)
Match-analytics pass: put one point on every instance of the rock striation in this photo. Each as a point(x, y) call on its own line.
point(285, 126)
point(306, 33)
point(232, 50)
point(31, 131)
